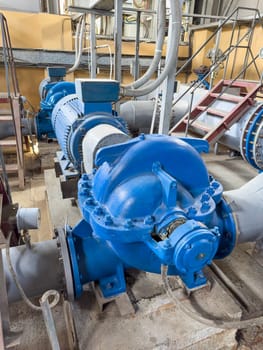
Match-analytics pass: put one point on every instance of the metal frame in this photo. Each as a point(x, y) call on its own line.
point(4, 313)
point(194, 86)
point(14, 98)
point(6, 336)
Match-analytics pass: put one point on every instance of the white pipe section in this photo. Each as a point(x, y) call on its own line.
point(247, 205)
point(158, 50)
point(78, 44)
point(171, 62)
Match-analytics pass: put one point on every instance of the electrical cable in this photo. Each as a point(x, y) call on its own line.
point(54, 293)
point(211, 322)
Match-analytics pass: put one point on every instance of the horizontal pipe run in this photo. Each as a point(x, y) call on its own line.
point(38, 269)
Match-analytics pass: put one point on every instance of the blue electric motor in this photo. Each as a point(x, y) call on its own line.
point(151, 202)
point(68, 116)
point(74, 115)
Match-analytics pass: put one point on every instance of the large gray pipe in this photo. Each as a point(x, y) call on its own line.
point(38, 269)
point(247, 206)
point(7, 128)
point(138, 113)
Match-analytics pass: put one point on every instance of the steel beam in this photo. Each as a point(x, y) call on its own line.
point(39, 58)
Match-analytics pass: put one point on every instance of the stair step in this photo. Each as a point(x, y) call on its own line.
point(7, 143)
point(227, 97)
point(10, 168)
point(4, 97)
point(212, 111)
point(6, 118)
point(240, 83)
point(217, 112)
point(199, 125)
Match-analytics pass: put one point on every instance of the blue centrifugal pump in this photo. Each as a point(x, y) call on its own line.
point(145, 202)
point(151, 202)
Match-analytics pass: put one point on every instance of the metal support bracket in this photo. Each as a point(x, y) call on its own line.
point(122, 301)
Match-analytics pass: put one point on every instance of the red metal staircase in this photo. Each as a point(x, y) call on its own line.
point(238, 95)
point(11, 106)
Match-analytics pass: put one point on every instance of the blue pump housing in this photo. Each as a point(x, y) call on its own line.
point(54, 93)
point(151, 202)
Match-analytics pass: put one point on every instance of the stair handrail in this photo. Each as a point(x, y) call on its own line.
point(8, 58)
point(225, 54)
point(14, 95)
point(232, 81)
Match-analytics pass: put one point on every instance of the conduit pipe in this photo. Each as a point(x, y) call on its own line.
point(173, 43)
point(80, 30)
point(158, 49)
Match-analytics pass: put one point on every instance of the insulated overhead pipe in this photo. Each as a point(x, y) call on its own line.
point(158, 50)
point(171, 62)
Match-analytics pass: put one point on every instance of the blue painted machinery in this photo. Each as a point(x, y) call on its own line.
point(151, 202)
point(146, 202)
point(51, 90)
point(70, 110)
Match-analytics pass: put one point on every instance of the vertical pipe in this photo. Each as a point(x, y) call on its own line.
point(227, 8)
point(250, 35)
point(137, 45)
point(168, 84)
point(214, 57)
point(117, 39)
point(231, 41)
point(235, 55)
point(93, 61)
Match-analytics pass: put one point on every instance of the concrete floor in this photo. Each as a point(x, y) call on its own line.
point(157, 323)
